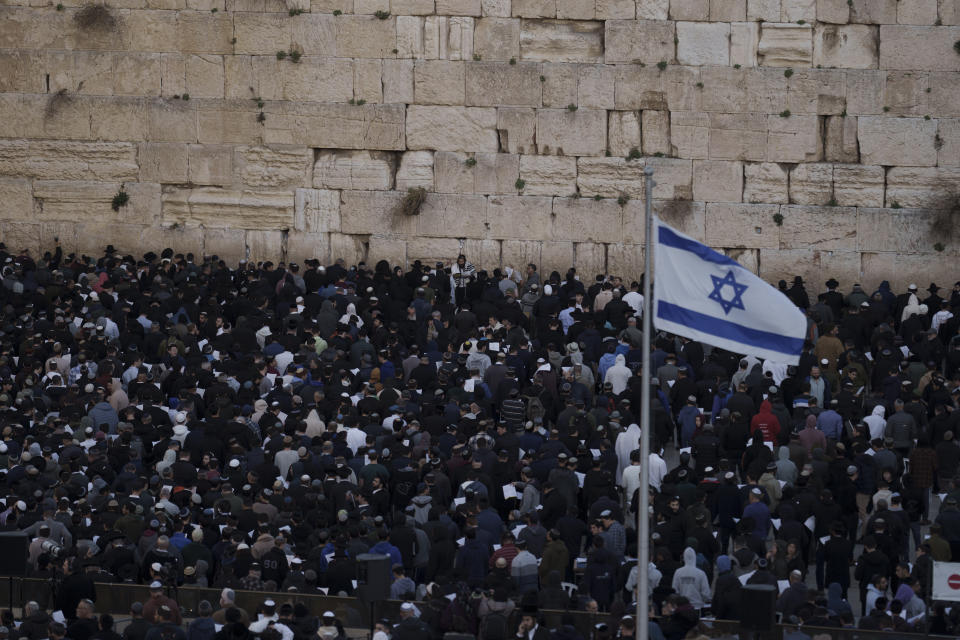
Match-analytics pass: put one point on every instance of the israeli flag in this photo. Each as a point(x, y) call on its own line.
point(704, 295)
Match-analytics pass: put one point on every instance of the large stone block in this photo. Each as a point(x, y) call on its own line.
point(448, 38)
point(811, 183)
point(738, 136)
point(517, 129)
point(519, 217)
point(452, 215)
point(75, 200)
point(618, 9)
point(489, 84)
point(690, 10)
point(303, 246)
point(874, 11)
point(368, 80)
point(66, 160)
point(163, 162)
point(210, 164)
point(865, 92)
point(833, 11)
point(517, 254)
point(785, 45)
point(905, 93)
point(610, 177)
point(374, 212)
point(596, 86)
point(852, 46)
point(944, 96)
point(898, 230)
point(841, 140)
point(363, 170)
point(412, 7)
point(897, 141)
point(717, 181)
point(337, 126)
point(701, 43)
point(318, 80)
point(138, 74)
point(683, 215)
point(561, 41)
point(794, 139)
point(748, 226)
point(439, 82)
point(535, 8)
point(235, 208)
point(673, 177)
point(397, 81)
point(765, 182)
point(647, 10)
point(763, 10)
point(626, 261)
point(274, 167)
point(496, 173)
point(949, 12)
point(452, 128)
point(548, 175)
point(647, 41)
point(919, 48)
point(416, 170)
point(798, 11)
point(623, 132)
point(728, 10)
point(656, 132)
point(586, 219)
point(267, 33)
point(900, 269)
point(744, 42)
point(410, 35)
point(573, 133)
point(857, 185)
point(690, 134)
point(245, 77)
point(560, 85)
point(316, 211)
point(724, 90)
point(458, 7)
point(16, 200)
point(917, 12)
point(949, 152)
point(366, 37)
point(925, 188)
point(497, 38)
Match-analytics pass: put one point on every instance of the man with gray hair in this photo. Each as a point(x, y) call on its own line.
point(228, 601)
point(35, 622)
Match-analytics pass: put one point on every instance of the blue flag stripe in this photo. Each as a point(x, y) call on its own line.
point(729, 330)
point(669, 238)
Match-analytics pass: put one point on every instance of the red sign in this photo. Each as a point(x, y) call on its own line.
point(954, 581)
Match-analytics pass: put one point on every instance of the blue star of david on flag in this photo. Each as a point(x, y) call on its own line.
point(717, 294)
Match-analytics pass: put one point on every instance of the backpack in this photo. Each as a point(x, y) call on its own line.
point(493, 626)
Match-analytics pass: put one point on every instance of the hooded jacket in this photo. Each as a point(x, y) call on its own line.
point(618, 375)
point(766, 423)
point(876, 422)
point(811, 437)
point(691, 582)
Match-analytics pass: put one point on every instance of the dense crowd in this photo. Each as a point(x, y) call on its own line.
point(176, 421)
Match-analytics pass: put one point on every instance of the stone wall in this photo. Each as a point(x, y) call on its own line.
point(819, 137)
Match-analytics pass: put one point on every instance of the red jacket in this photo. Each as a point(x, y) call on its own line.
point(766, 423)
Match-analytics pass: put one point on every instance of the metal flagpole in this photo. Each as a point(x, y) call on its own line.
point(643, 528)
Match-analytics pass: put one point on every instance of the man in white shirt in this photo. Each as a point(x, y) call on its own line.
point(635, 299)
point(658, 469)
point(268, 617)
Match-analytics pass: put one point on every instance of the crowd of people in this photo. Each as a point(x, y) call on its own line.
point(176, 421)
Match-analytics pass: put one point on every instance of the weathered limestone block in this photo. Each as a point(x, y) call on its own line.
point(717, 181)
point(275, 167)
point(690, 10)
point(865, 92)
point(853, 46)
point(200, 32)
point(833, 11)
point(204, 76)
point(857, 185)
point(797, 10)
point(496, 8)
point(548, 175)
point(690, 134)
point(456, 215)
point(75, 200)
point(452, 128)
point(949, 153)
point(640, 87)
point(490, 84)
point(841, 140)
point(560, 85)
point(646, 10)
point(416, 170)
point(410, 34)
point(210, 164)
point(448, 38)
point(944, 97)
point(610, 177)
point(138, 74)
point(318, 80)
point(826, 228)
point(316, 211)
point(517, 254)
point(811, 183)
point(917, 12)
point(680, 85)
point(397, 81)
point(451, 172)
point(262, 74)
point(949, 12)
point(618, 9)
point(365, 170)
point(519, 217)
point(785, 45)
point(919, 48)
point(623, 132)
point(586, 219)
point(261, 244)
point(647, 41)
point(763, 10)
point(561, 41)
point(412, 7)
point(350, 248)
point(765, 182)
point(338, 126)
point(738, 136)
point(576, 10)
point(596, 86)
point(374, 212)
point(925, 188)
point(905, 93)
point(897, 141)
point(535, 8)
point(744, 42)
point(656, 132)
point(748, 226)
point(556, 255)
point(724, 90)
point(439, 82)
point(794, 139)
point(701, 43)
point(674, 178)
point(497, 38)
point(767, 90)
point(590, 258)
point(162, 162)
point(728, 10)
point(458, 7)
point(496, 173)
point(517, 129)
point(266, 33)
point(625, 260)
point(302, 246)
point(900, 269)
point(572, 133)
point(685, 216)
point(874, 11)
point(66, 160)
point(368, 80)
point(238, 208)
point(16, 200)
point(365, 36)
point(898, 230)
point(228, 244)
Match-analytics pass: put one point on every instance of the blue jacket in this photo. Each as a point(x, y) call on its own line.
point(471, 562)
point(688, 425)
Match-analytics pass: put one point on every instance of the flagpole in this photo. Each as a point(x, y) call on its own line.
point(643, 528)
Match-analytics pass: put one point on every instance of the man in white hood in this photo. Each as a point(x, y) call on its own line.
point(876, 422)
point(691, 582)
point(618, 374)
point(626, 443)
